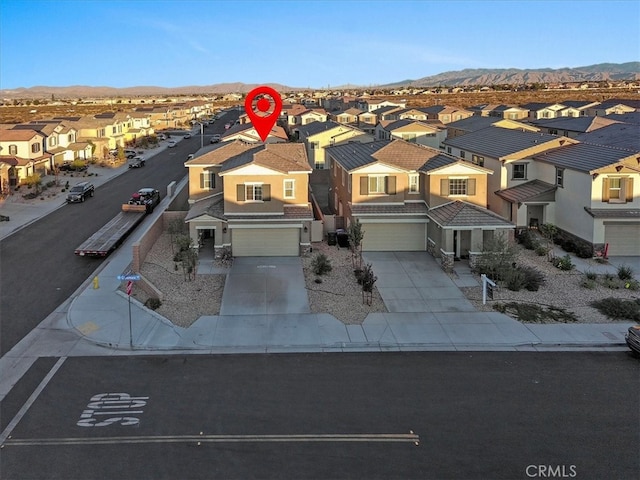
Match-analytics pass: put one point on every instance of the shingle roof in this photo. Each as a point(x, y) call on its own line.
point(526, 191)
point(18, 135)
point(630, 117)
point(463, 214)
point(499, 142)
point(290, 212)
point(584, 157)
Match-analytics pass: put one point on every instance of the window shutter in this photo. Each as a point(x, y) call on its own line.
point(444, 187)
point(471, 186)
point(605, 189)
point(364, 185)
point(241, 192)
point(202, 179)
point(212, 180)
point(391, 185)
point(266, 193)
point(628, 189)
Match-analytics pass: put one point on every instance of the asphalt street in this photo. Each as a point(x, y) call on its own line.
point(387, 415)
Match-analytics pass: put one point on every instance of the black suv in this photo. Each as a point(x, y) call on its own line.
point(80, 192)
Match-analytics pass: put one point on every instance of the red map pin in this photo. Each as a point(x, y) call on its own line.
point(268, 104)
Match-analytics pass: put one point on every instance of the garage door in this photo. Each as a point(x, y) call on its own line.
point(623, 239)
point(384, 237)
point(265, 242)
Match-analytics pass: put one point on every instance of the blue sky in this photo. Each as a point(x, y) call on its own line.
point(301, 43)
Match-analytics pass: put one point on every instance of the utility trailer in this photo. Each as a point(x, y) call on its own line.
point(111, 235)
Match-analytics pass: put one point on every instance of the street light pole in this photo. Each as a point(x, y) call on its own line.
point(201, 136)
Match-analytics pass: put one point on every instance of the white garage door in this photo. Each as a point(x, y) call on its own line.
point(265, 242)
point(400, 237)
point(623, 239)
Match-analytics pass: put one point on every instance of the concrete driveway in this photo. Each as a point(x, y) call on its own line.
point(415, 282)
point(265, 285)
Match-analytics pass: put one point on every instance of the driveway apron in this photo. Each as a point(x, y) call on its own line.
point(414, 282)
point(265, 286)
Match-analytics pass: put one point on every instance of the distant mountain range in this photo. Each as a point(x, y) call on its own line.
point(481, 77)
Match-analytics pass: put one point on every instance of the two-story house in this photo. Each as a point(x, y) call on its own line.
point(572, 126)
point(508, 154)
point(24, 151)
point(253, 200)
point(477, 122)
point(60, 140)
point(543, 110)
point(348, 116)
point(392, 188)
point(319, 135)
point(446, 114)
point(246, 132)
point(413, 131)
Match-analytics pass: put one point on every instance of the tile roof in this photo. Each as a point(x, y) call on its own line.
point(499, 142)
point(613, 212)
point(621, 135)
point(18, 135)
point(213, 206)
point(476, 122)
point(629, 117)
point(574, 124)
point(283, 157)
point(526, 191)
point(290, 212)
point(354, 155)
point(439, 161)
point(410, 208)
point(463, 214)
point(409, 156)
point(219, 155)
point(584, 157)
point(316, 127)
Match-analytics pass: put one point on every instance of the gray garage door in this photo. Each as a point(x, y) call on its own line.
point(265, 242)
point(623, 239)
point(399, 237)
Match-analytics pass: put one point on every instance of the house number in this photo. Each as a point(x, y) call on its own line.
point(112, 408)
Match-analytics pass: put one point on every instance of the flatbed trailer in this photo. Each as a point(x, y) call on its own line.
point(111, 235)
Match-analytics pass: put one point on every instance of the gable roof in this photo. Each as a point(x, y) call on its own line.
point(314, 128)
point(499, 142)
point(526, 191)
point(621, 135)
point(282, 157)
point(584, 157)
point(471, 124)
point(463, 214)
point(354, 155)
point(18, 134)
point(219, 155)
point(574, 124)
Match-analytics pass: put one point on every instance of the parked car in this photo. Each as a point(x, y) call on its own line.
point(171, 144)
point(633, 339)
point(216, 138)
point(188, 135)
point(136, 162)
point(80, 192)
point(130, 153)
point(162, 136)
point(73, 167)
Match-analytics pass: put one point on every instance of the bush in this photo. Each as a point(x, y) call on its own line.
point(368, 278)
point(528, 240)
point(591, 275)
point(584, 250)
point(625, 272)
point(321, 264)
point(563, 263)
point(618, 308)
point(532, 278)
point(589, 284)
point(153, 303)
point(358, 273)
point(569, 246)
point(541, 250)
point(632, 285)
point(515, 280)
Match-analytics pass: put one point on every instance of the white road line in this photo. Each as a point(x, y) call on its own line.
point(364, 437)
point(7, 431)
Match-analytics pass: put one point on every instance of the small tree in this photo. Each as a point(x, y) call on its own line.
point(176, 226)
point(355, 242)
point(498, 257)
point(34, 181)
point(368, 281)
point(549, 231)
point(321, 264)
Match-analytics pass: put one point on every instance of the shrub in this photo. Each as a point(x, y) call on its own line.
point(611, 283)
point(358, 272)
point(618, 308)
point(541, 250)
point(569, 246)
point(368, 278)
point(584, 250)
point(589, 284)
point(591, 275)
point(563, 263)
point(321, 264)
point(528, 240)
point(632, 285)
point(153, 303)
point(625, 272)
point(515, 280)
point(532, 278)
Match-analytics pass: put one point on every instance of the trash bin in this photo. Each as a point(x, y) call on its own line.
point(331, 238)
point(343, 238)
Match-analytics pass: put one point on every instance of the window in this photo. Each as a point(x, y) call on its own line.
point(289, 189)
point(319, 165)
point(35, 147)
point(207, 180)
point(560, 177)
point(253, 193)
point(314, 145)
point(519, 171)
point(448, 149)
point(13, 149)
point(414, 183)
point(52, 141)
point(617, 189)
point(553, 131)
point(376, 184)
point(457, 186)
point(478, 160)
point(462, 153)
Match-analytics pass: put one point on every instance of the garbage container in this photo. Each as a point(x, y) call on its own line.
point(331, 238)
point(343, 238)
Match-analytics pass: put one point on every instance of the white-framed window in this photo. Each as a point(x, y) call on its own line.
point(457, 186)
point(377, 184)
point(414, 183)
point(253, 192)
point(289, 188)
point(314, 145)
point(13, 149)
point(208, 180)
point(462, 153)
point(35, 147)
point(519, 171)
point(478, 160)
point(560, 177)
point(52, 141)
point(615, 188)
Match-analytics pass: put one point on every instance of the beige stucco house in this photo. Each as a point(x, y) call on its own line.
point(413, 131)
point(252, 200)
point(24, 151)
point(246, 132)
point(319, 135)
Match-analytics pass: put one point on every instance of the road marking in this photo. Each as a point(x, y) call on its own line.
point(362, 437)
point(7, 431)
